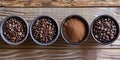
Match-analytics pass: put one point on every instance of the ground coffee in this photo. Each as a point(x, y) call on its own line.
point(74, 30)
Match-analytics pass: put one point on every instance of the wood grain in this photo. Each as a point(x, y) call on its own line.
point(49, 54)
point(89, 50)
point(58, 3)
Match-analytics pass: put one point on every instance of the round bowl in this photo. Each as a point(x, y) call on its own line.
point(3, 36)
point(99, 40)
point(56, 26)
point(86, 27)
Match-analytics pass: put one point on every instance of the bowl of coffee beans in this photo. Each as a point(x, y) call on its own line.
point(105, 29)
point(44, 30)
point(74, 29)
point(14, 30)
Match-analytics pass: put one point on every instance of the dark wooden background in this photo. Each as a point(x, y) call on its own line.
point(90, 50)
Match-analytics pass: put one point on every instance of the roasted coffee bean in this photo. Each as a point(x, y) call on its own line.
point(43, 30)
point(105, 29)
point(14, 29)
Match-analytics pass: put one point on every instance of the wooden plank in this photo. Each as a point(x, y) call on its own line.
point(59, 14)
point(49, 54)
point(58, 3)
point(90, 50)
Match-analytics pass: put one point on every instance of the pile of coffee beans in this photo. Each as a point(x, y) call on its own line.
point(105, 29)
point(44, 30)
point(14, 29)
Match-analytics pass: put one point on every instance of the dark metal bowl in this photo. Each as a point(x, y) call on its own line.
point(5, 39)
point(56, 26)
point(104, 16)
point(86, 27)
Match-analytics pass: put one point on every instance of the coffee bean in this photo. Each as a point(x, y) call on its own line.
point(108, 32)
point(105, 29)
point(14, 29)
point(43, 30)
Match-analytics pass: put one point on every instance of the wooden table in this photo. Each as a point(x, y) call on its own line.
point(58, 3)
point(90, 50)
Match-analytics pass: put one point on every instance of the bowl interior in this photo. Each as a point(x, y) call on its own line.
point(23, 22)
point(105, 16)
point(86, 27)
point(53, 22)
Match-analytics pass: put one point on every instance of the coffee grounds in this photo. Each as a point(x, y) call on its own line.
point(14, 29)
point(44, 30)
point(74, 30)
point(105, 29)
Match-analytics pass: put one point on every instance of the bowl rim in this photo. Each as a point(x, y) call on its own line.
point(96, 18)
point(40, 43)
point(87, 34)
point(1, 30)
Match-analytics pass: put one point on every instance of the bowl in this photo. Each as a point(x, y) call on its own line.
point(71, 27)
point(105, 29)
point(14, 30)
point(44, 30)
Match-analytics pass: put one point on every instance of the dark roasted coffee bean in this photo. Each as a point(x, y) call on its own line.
point(105, 29)
point(14, 29)
point(43, 30)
